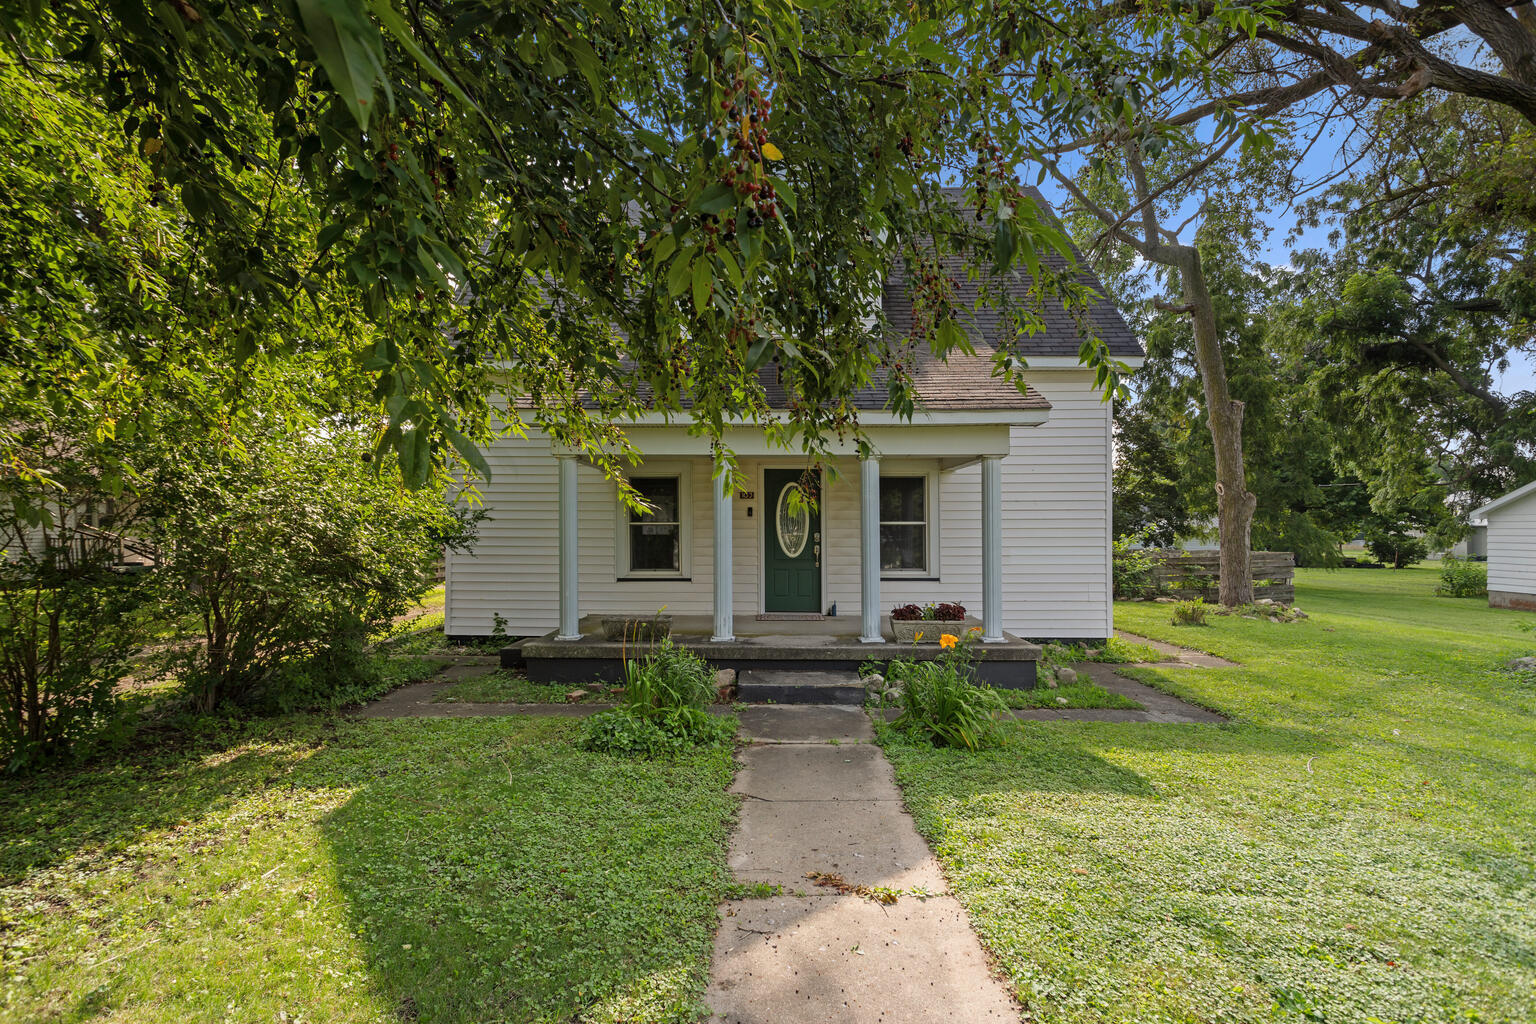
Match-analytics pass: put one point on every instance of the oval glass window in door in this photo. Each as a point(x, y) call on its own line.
point(793, 525)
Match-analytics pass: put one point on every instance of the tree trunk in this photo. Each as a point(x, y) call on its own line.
point(1234, 502)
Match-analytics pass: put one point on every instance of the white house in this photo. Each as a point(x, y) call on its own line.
point(990, 497)
point(1511, 542)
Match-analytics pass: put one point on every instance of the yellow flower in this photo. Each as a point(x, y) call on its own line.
point(919, 637)
point(948, 640)
point(974, 629)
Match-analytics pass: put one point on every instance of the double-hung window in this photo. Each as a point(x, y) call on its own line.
point(655, 533)
point(904, 523)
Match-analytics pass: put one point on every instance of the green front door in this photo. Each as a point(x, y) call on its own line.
point(792, 555)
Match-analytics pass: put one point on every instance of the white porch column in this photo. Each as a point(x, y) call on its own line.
point(869, 550)
point(725, 625)
point(992, 549)
point(570, 566)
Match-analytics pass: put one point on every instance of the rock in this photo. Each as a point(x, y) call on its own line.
point(576, 695)
point(893, 695)
point(1298, 614)
point(1524, 664)
point(1066, 676)
point(1062, 701)
point(1092, 652)
point(725, 685)
point(1274, 618)
point(1051, 683)
point(1264, 600)
point(1166, 600)
point(873, 683)
point(1255, 618)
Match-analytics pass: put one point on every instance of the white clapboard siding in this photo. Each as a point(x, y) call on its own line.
point(1056, 515)
point(1512, 546)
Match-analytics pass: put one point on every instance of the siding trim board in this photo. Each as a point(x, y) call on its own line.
point(1056, 509)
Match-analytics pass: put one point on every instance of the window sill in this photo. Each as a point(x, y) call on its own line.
point(657, 578)
point(906, 578)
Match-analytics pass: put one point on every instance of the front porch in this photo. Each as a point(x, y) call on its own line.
point(826, 644)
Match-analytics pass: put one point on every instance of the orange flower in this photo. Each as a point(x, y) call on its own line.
point(948, 640)
point(974, 629)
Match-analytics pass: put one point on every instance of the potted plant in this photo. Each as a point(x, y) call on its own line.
point(925, 624)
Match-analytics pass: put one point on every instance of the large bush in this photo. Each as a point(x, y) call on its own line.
point(288, 551)
point(1463, 578)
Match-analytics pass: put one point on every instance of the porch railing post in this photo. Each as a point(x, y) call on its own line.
point(725, 624)
point(570, 566)
point(869, 550)
point(992, 549)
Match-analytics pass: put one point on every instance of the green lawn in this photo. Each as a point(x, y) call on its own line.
point(515, 688)
point(325, 869)
point(1358, 846)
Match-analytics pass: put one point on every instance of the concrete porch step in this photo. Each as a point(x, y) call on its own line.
point(792, 686)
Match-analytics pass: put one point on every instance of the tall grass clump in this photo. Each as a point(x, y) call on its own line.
point(665, 707)
point(941, 702)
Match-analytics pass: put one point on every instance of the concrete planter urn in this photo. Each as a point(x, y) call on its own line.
point(622, 629)
point(928, 631)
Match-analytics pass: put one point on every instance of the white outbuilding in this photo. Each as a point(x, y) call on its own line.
point(1511, 548)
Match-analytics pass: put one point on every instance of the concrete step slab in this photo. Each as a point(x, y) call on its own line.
point(792, 686)
point(805, 723)
point(845, 959)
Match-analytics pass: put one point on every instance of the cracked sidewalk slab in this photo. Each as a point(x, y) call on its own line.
point(823, 955)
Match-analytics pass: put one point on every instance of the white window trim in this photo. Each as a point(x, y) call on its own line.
point(683, 473)
point(930, 476)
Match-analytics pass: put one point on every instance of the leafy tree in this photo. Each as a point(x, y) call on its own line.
point(1429, 288)
point(598, 202)
point(1149, 489)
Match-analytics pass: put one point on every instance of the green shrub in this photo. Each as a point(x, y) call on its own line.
point(1463, 578)
point(68, 627)
point(941, 702)
point(289, 554)
point(1133, 568)
point(71, 616)
point(664, 708)
point(1190, 613)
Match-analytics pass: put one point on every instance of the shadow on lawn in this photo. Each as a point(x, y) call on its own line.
point(519, 879)
point(163, 783)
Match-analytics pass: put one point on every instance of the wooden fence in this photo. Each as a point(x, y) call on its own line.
point(1192, 574)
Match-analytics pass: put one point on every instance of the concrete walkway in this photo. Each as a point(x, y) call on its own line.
point(820, 797)
point(1179, 657)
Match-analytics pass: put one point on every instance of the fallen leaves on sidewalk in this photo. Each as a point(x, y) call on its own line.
point(878, 893)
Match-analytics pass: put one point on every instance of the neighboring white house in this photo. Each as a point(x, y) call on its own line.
point(990, 497)
point(1511, 524)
